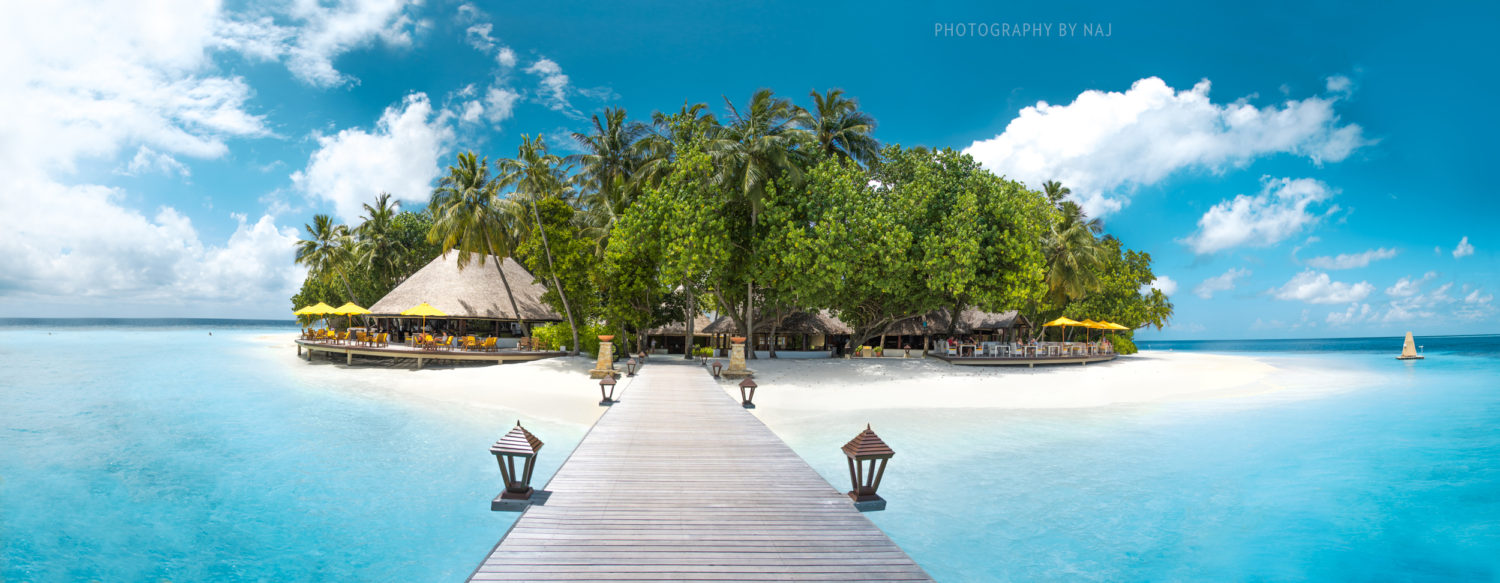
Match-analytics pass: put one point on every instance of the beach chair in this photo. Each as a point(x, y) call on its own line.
point(470, 343)
point(489, 344)
point(360, 338)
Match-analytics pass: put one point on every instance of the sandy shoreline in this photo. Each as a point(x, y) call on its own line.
point(559, 389)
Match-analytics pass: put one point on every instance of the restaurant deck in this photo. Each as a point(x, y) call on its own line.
point(677, 482)
point(983, 360)
point(421, 355)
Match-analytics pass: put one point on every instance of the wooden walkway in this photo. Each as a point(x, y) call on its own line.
point(676, 482)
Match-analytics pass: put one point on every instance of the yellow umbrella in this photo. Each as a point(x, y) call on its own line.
point(318, 309)
point(1063, 321)
point(424, 310)
point(350, 309)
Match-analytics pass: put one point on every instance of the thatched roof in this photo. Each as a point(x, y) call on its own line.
point(820, 322)
point(474, 292)
point(969, 321)
point(678, 329)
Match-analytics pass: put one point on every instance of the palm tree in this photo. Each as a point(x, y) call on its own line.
point(757, 148)
point(327, 251)
point(1073, 254)
point(537, 174)
point(608, 168)
point(379, 251)
point(1055, 191)
point(470, 216)
point(840, 128)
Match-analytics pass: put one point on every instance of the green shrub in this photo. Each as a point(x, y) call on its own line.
point(1123, 345)
point(557, 335)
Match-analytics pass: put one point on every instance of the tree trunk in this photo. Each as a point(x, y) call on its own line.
point(692, 312)
point(552, 270)
point(750, 291)
point(500, 268)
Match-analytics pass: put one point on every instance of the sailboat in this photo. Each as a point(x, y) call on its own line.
point(1409, 350)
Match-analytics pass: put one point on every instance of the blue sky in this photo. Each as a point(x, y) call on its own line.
point(1302, 172)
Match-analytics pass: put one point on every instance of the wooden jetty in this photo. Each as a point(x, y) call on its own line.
point(677, 482)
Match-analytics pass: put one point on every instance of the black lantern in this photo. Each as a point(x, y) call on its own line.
point(717, 365)
point(867, 458)
point(747, 393)
point(521, 445)
point(607, 384)
point(630, 367)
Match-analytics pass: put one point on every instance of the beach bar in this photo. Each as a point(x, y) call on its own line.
point(466, 315)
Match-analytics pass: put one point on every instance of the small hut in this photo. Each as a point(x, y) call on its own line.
point(795, 332)
point(668, 338)
point(474, 293)
point(995, 325)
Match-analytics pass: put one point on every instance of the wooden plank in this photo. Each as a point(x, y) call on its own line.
point(677, 482)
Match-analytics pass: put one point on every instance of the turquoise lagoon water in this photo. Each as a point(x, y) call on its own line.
point(1395, 480)
point(195, 458)
point(181, 456)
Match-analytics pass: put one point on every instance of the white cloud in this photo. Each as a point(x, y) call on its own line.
point(1464, 249)
point(400, 156)
point(1339, 84)
point(319, 32)
point(500, 104)
point(148, 161)
point(1356, 312)
point(1103, 145)
point(140, 86)
point(478, 36)
point(1408, 286)
point(506, 58)
point(1166, 284)
point(1279, 211)
point(1348, 261)
point(471, 112)
point(1475, 298)
point(1219, 283)
point(552, 84)
point(1317, 288)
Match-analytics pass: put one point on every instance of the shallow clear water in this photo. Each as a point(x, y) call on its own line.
point(182, 456)
point(192, 457)
point(1397, 480)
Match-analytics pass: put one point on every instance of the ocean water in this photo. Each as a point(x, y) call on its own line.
point(176, 455)
point(187, 457)
point(1396, 478)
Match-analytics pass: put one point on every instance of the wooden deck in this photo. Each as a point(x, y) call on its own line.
point(349, 351)
point(677, 482)
point(1022, 360)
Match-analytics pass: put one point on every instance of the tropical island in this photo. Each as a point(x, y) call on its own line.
point(773, 213)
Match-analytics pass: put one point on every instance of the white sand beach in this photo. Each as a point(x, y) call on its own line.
point(560, 390)
point(827, 385)
point(555, 389)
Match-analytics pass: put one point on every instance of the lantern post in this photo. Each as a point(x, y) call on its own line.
point(516, 454)
point(868, 456)
point(747, 393)
point(607, 390)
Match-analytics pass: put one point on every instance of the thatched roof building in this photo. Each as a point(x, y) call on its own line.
point(474, 293)
point(820, 322)
point(969, 321)
point(700, 322)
